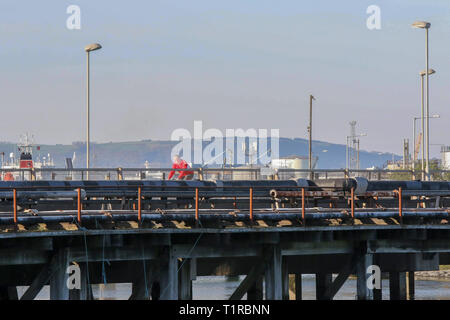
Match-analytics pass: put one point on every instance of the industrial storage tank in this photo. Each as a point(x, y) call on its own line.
point(293, 162)
point(445, 152)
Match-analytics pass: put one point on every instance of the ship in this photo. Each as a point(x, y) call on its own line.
point(13, 165)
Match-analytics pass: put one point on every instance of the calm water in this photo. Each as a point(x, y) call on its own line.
point(216, 288)
point(219, 288)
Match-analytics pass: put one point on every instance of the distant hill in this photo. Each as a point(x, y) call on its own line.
point(134, 154)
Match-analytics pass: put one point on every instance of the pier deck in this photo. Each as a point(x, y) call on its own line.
point(169, 253)
point(160, 239)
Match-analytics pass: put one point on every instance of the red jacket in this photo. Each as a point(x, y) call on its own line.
point(182, 165)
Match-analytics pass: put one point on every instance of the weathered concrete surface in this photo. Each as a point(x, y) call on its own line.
point(175, 252)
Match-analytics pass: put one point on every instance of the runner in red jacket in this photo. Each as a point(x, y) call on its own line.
point(179, 163)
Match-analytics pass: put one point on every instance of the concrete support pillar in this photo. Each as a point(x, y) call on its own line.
point(144, 274)
point(397, 285)
point(411, 286)
point(58, 281)
point(185, 280)
point(285, 279)
point(378, 293)
point(298, 286)
point(323, 281)
point(85, 291)
point(256, 290)
point(273, 275)
point(169, 276)
point(86, 287)
point(74, 294)
point(363, 291)
point(155, 293)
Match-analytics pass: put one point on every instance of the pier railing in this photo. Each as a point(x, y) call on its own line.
point(212, 174)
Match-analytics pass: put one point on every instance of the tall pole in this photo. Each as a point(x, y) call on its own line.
point(88, 117)
point(88, 49)
point(346, 154)
point(425, 25)
point(427, 168)
point(311, 98)
point(423, 127)
point(414, 147)
point(357, 157)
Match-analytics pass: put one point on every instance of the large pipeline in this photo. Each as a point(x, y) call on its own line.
point(105, 188)
point(362, 185)
point(155, 188)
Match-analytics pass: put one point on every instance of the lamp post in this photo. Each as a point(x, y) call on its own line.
point(426, 25)
point(311, 98)
point(424, 124)
point(88, 49)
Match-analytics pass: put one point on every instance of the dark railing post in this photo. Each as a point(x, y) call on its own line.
point(139, 205)
point(251, 204)
point(352, 202)
point(303, 205)
point(196, 204)
point(15, 204)
point(79, 205)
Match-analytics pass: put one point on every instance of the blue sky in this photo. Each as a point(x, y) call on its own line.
point(232, 64)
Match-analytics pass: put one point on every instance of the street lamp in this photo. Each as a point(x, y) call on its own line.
point(422, 74)
point(430, 72)
point(426, 25)
point(88, 49)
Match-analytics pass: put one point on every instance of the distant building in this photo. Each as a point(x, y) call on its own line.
point(293, 162)
point(445, 153)
point(394, 165)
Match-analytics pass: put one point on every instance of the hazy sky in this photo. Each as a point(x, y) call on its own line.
point(232, 64)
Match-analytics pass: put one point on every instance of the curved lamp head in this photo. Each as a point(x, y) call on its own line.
point(430, 71)
point(421, 24)
point(92, 47)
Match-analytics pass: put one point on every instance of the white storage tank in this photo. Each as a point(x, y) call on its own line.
point(293, 162)
point(445, 152)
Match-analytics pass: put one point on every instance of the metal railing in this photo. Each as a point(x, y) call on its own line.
point(211, 174)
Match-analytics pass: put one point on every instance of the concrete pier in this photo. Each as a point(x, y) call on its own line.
point(161, 259)
point(174, 257)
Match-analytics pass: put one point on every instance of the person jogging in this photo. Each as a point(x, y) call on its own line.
point(179, 163)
